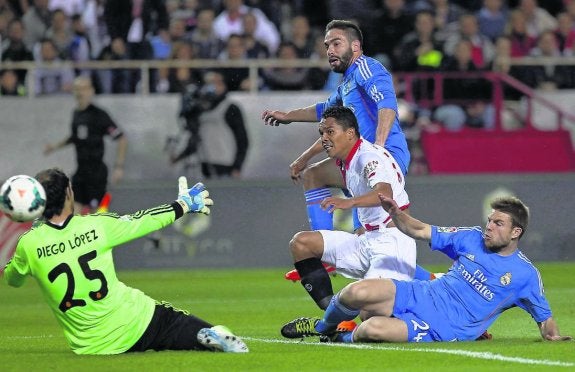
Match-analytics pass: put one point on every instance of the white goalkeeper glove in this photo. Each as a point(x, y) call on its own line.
point(194, 200)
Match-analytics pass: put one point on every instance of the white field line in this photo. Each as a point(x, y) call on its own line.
point(470, 354)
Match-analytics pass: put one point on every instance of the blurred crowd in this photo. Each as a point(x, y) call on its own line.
point(405, 35)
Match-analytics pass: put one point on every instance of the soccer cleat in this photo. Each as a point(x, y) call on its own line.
point(300, 328)
point(220, 338)
point(346, 326)
point(293, 275)
point(485, 336)
point(104, 203)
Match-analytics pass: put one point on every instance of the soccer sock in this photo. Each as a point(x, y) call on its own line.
point(315, 280)
point(319, 219)
point(356, 223)
point(422, 274)
point(335, 313)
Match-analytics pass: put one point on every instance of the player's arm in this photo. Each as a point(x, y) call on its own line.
point(550, 331)
point(385, 119)
point(122, 146)
point(16, 270)
point(369, 199)
point(304, 114)
point(50, 148)
point(404, 222)
point(298, 165)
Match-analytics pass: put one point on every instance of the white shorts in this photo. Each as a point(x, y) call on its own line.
point(375, 254)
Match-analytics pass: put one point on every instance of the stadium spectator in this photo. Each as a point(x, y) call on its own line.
point(550, 76)
point(392, 25)
point(10, 85)
point(230, 21)
point(133, 22)
point(176, 79)
point(382, 251)
point(492, 18)
point(483, 50)
point(490, 275)
point(205, 41)
point(516, 30)
point(36, 21)
point(255, 48)
point(117, 80)
point(60, 32)
point(15, 50)
point(102, 315)
point(446, 17)
point(90, 124)
point(502, 63)
point(286, 78)
point(79, 49)
point(420, 49)
point(473, 111)
point(237, 78)
point(537, 19)
point(301, 36)
point(565, 34)
point(51, 78)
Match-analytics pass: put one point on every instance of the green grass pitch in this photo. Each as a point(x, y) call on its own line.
point(254, 304)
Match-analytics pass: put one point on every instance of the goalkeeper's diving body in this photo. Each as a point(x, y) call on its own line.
point(70, 257)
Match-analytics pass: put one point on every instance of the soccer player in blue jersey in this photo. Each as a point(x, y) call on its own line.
point(489, 275)
point(367, 89)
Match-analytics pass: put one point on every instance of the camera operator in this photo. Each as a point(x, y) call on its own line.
point(204, 109)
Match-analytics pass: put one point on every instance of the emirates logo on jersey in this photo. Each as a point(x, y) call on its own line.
point(369, 169)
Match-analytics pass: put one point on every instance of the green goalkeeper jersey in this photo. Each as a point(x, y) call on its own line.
point(74, 268)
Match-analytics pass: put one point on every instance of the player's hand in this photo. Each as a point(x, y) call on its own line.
point(275, 118)
point(558, 338)
point(296, 167)
point(388, 204)
point(330, 204)
point(194, 200)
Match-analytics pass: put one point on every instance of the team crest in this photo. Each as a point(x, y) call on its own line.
point(346, 87)
point(447, 229)
point(369, 169)
point(505, 279)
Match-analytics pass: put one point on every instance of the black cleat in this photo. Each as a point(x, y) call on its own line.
point(300, 328)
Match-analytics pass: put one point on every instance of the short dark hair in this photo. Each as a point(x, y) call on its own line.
point(55, 183)
point(351, 29)
point(343, 116)
point(515, 208)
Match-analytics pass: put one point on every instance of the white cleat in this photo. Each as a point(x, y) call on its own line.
point(220, 338)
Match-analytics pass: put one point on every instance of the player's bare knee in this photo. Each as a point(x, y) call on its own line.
point(355, 294)
point(302, 245)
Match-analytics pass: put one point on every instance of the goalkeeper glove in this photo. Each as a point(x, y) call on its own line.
point(194, 200)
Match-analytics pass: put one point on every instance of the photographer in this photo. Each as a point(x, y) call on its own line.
point(205, 109)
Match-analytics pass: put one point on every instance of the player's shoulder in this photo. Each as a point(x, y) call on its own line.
point(369, 67)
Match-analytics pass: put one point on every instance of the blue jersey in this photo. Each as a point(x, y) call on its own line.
point(478, 287)
point(367, 87)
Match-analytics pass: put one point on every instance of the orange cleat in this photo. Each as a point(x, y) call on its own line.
point(346, 326)
point(293, 275)
point(104, 203)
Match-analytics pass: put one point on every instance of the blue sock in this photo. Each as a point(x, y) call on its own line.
point(356, 223)
point(421, 273)
point(346, 337)
point(319, 219)
point(335, 313)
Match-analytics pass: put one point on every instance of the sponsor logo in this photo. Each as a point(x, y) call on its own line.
point(470, 257)
point(477, 280)
point(369, 169)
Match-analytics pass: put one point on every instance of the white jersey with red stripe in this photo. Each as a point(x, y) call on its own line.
point(367, 165)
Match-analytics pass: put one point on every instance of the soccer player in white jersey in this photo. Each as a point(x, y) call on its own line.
point(382, 251)
point(489, 275)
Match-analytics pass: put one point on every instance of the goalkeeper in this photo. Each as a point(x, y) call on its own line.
point(71, 259)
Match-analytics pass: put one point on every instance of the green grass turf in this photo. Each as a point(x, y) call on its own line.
point(254, 304)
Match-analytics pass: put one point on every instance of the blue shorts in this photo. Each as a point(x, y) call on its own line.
point(414, 305)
